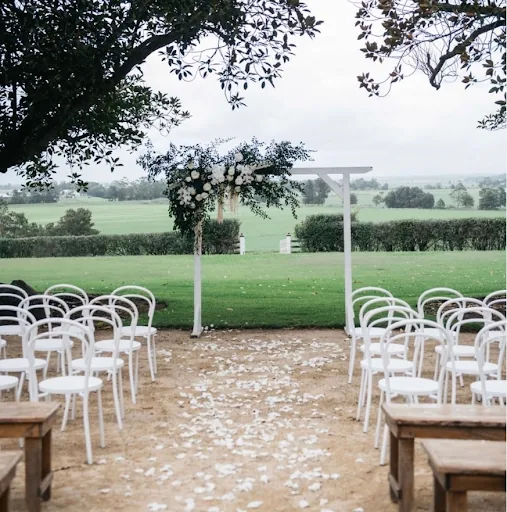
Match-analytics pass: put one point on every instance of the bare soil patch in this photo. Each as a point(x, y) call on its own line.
point(236, 421)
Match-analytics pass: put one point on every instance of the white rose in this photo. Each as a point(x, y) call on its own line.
point(194, 174)
point(192, 205)
point(188, 178)
point(239, 180)
point(230, 178)
point(238, 157)
point(230, 172)
point(214, 181)
point(198, 197)
point(190, 165)
point(192, 191)
point(221, 178)
point(247, 169)
point(207, 187)
point(259, 177)
point(237, 189)
point(204, 195)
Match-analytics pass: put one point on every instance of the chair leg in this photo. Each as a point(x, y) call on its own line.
point(68, 400)
point(73, 407)
point(132, 378)
point(120, 388)
point(369, 393)
point(116, 399)
point(352, 357)
point(473, 398)
point(379, 420)
point(136, 381)
point(437, 364)
point(361, 397)
point(154, 348)
point(20, 386)
point(453, 388)
point(86, 424)
point(383, 451)
point(101, 419)
point(150, 358)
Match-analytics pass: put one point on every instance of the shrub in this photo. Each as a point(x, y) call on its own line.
point(409, 197)
point(323, 233)
point(217, 239)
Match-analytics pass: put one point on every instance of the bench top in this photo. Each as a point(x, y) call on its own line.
point(8, 461)
point(459, 457)
point(446, 415)
point(27, 412)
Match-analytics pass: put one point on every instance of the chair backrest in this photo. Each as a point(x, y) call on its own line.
point(449, 307)
point(70, 331)
point(11, 295)
point(73, 295)
point(380, 316)
point(471, 316)
point(380, 302)
point(362, 295)
point(498, 295)
point(47, 307)
point(492, 333)
point(14, 315)
point(435, 295)
point(416, 332)
point(139, 293)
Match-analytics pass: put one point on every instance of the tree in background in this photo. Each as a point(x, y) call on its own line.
point(309, 192)
point(73, 223)
point(443, 39)
point(440, 205)
point(409, 197)
point(362, 184)
point(377, 199)
point(353, 198)
point(468, 200)
point(459, 194)
point(14, 224)
point(491, 199)
point(322, 190)
point(72, 85)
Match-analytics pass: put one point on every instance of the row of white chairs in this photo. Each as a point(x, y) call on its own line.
point(64, 328)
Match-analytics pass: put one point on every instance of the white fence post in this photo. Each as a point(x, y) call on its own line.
point(289, 244)
point(242, 246)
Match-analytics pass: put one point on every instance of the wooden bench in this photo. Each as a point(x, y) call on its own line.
point(8, 463)
point(461, 466)
point(33, 421)
point(407, 422)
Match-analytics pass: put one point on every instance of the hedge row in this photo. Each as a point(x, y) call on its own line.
point(217, 239)
point(322, 233)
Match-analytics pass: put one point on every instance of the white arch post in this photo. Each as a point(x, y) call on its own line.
point(344, 192)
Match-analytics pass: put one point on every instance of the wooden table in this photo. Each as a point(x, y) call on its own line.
point(406, 422)
point(32, 421)
point(8, 463)
point(460, 466)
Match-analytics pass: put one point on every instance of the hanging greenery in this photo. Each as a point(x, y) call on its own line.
point(200, 181)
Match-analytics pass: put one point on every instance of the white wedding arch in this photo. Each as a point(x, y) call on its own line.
point(344, 192)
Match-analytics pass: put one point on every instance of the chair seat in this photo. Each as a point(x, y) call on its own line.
point(434, 333)
point(69, 384)
point(10, 330)
point(471, 367)
point(20, 364)
point(141, 330)
point(8, 382)
point(50, 345)
point(395, 365)
point(98, 364)
point(458, 350)
point(415, 386)
point(394, 349)
point(375, 332)
point(494, 388)
point(124, 346)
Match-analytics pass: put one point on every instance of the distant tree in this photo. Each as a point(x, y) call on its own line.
point(353, 198)
point(385, 186)
point(309, 192)
point(440, 205)
point(321, 191)
point(362, 184)
point(438, 186)
point(14, 224)
point(409, 197)
point(468, 200)
point(458, 194)
point(377, 199)
point(73, 223)
point(491, 199)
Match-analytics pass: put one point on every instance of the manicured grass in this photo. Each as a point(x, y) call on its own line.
point(269, 290)
point(261, 235)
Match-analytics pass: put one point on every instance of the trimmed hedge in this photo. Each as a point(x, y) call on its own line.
point(324, 233)
point(217, 239)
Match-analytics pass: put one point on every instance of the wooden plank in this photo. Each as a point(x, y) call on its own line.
point(406, 474)
point(457, 502)
point(8, 463)
point(477, 483)
point(479, 432)
point(47, 474)
point(33, 473)
point(445, 415)
point(438, 496)
point(458, 457)
point(27, 412)
point(394, 483)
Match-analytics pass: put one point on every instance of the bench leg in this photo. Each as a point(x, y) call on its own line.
point(456, 501)
point(393, 467)
point(33, 473)
point(406, 474)
point(4, 501)
point(46, 464)
point(438, 496)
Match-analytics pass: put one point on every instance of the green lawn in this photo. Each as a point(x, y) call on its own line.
point(270, 290)
point(261, 235)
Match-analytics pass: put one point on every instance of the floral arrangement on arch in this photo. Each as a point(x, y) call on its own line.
point(201, 181)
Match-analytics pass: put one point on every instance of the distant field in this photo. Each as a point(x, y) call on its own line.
point(268, 290)
point(261, 235)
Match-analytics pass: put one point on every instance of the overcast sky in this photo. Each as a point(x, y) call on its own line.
point(414, 131)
